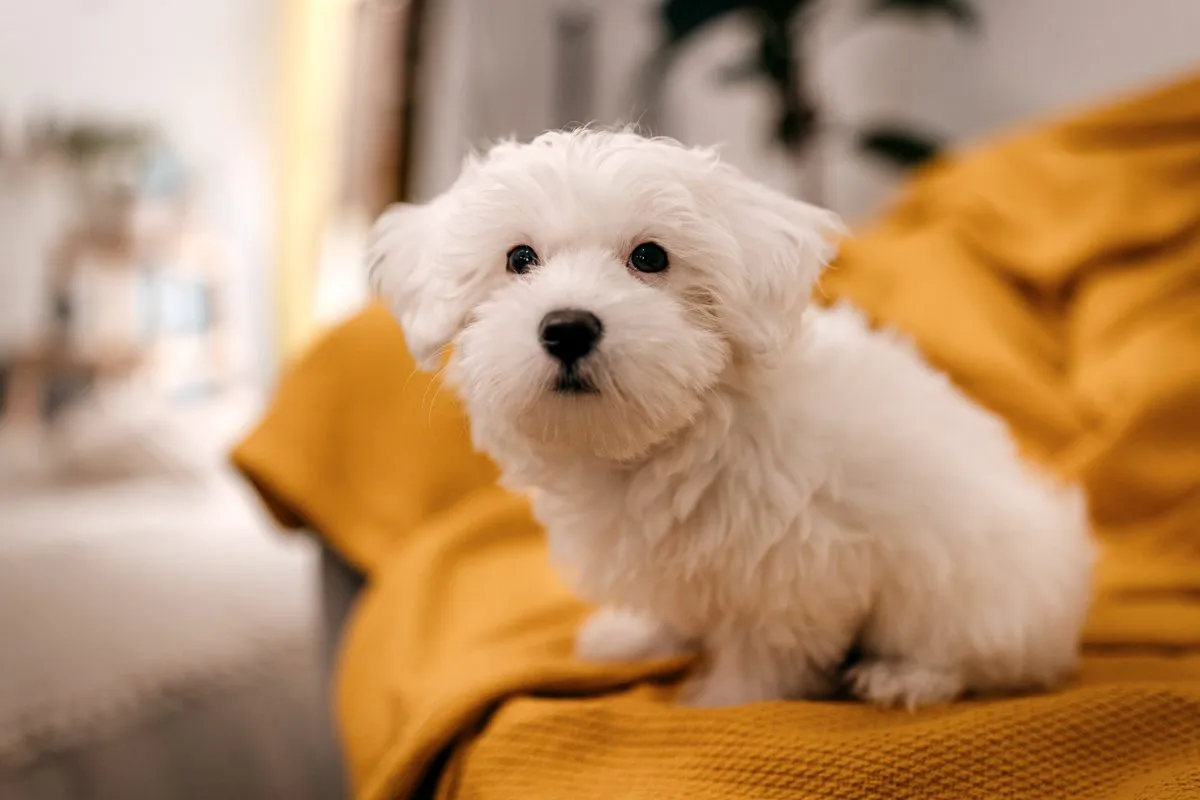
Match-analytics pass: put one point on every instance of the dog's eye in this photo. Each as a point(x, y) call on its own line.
point(521, 258)
point(648, 257)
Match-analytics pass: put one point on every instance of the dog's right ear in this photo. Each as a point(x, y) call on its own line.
point(403, 272)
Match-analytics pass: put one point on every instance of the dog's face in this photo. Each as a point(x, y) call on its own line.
point(596, 286)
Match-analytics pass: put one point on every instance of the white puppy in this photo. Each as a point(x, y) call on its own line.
point(715, 463)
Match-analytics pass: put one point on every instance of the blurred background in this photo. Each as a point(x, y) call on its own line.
point(184, 190)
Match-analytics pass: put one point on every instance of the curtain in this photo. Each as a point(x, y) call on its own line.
point(340, 138)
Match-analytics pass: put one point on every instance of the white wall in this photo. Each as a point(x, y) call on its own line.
point(204, 71)
point(1038, 57)
point(1031, 60)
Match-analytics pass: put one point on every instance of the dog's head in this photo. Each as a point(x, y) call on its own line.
point(596, 286)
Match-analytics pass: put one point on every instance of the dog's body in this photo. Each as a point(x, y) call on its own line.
point(717, 464)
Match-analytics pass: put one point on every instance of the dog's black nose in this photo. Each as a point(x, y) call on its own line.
point(570, 334)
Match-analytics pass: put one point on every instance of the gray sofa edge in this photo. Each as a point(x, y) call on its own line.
point(340, 585)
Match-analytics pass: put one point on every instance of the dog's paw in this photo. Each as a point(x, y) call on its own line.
point(903, 683)
point(719, 691)
point(613, 634)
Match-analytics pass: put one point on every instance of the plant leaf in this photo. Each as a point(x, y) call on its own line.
point(682, 18)
point(960, 12)
point(898, 147)
point(775, 57)
point(796, 125)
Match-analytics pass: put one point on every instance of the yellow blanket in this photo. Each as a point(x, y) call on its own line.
point(1054, 275)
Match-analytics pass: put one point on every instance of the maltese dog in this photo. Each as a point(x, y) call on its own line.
point(717, 465)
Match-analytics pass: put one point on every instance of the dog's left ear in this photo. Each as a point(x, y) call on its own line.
point(404, 273)
point(785, 244)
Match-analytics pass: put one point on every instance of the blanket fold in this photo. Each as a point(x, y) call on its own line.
point(1055, 275)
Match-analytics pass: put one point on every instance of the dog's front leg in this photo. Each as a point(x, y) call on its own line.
point(741, 671)
point(615, 634)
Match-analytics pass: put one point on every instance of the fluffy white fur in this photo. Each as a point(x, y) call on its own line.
point(773, 483)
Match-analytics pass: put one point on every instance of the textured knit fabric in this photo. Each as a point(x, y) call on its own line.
point(1054, 275)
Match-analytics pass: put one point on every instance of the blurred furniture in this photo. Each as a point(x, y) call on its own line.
point(34, 208)
point(116, 284)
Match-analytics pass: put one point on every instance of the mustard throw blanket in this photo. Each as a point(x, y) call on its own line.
point(1054, 275)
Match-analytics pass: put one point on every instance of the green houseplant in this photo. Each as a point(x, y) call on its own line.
point(779, 57)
